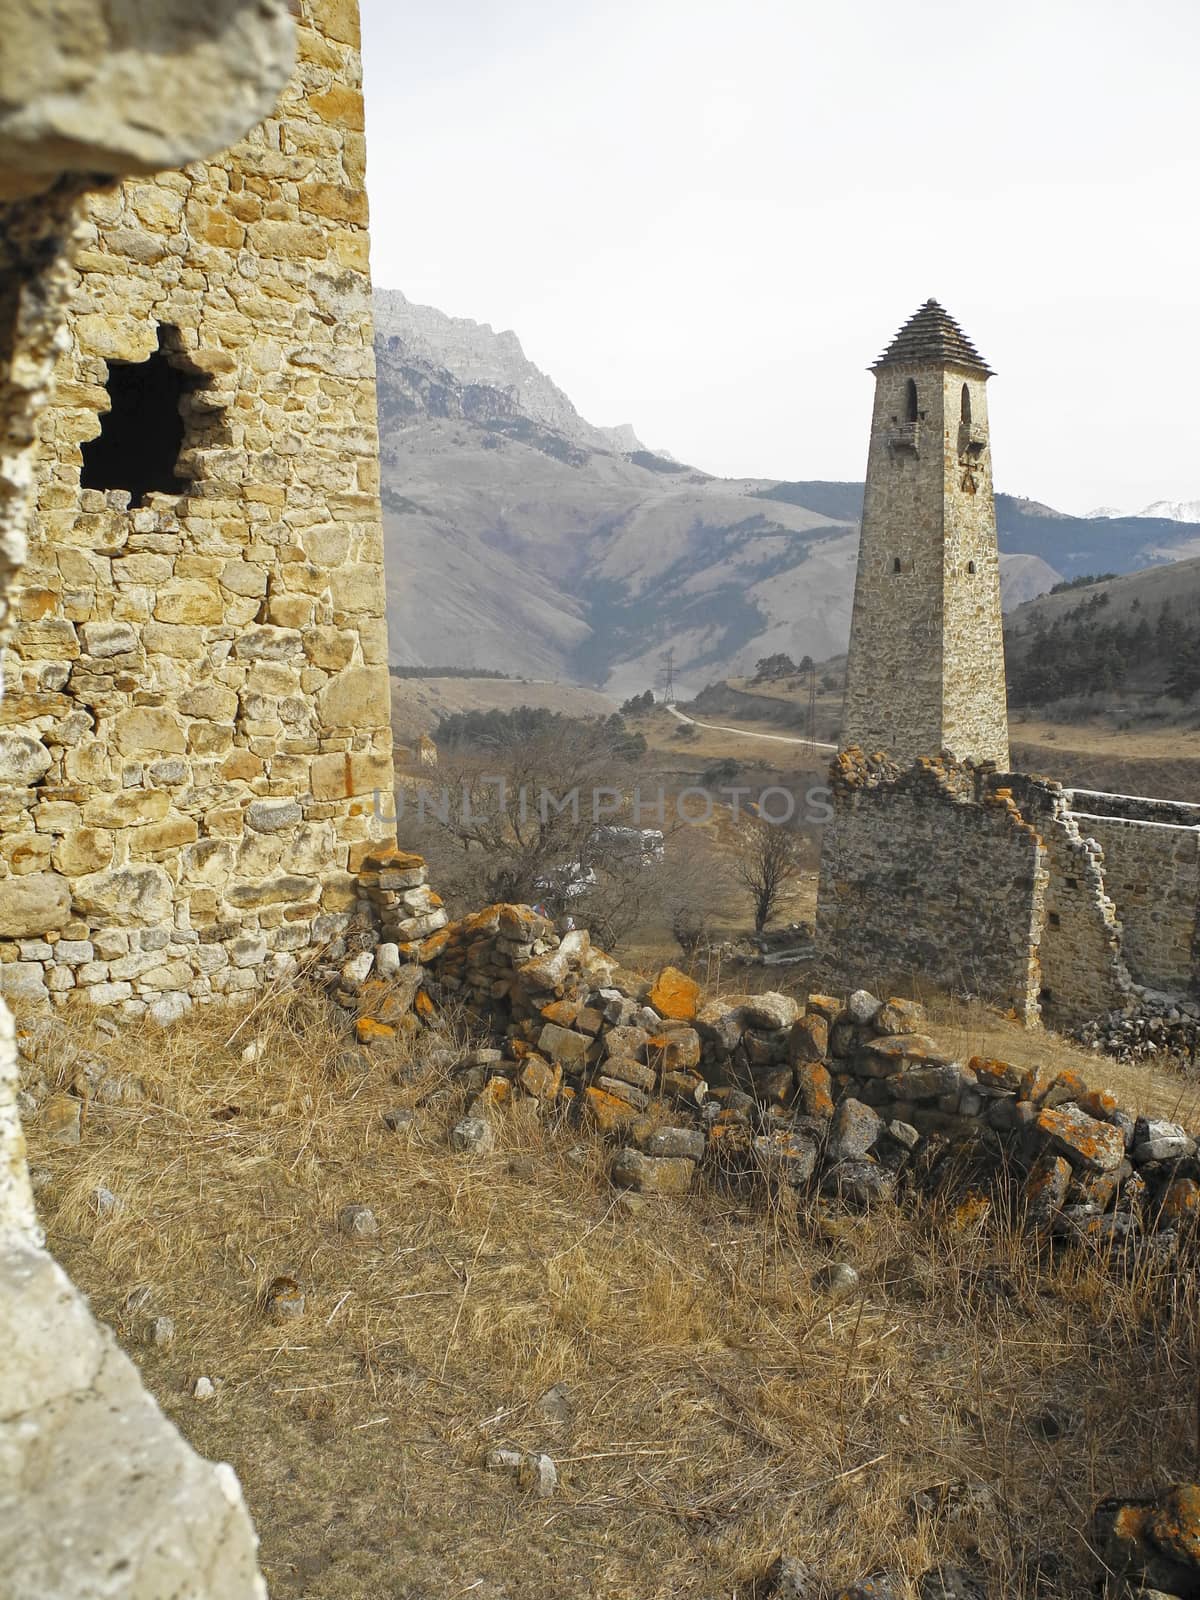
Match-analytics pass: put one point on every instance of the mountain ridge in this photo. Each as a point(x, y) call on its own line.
point(544, 546)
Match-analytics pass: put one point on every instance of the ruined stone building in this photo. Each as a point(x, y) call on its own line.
point(939, 865)
point(196, 722)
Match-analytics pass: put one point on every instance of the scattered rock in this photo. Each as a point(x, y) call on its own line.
point(285, 1297)
point(652, 1174)
point(950, 1583)
point(555, 1405)
point(357, 1222)
point(532, 1471)
point(203, 1389)
point(161, 1332)
point(400, 1119)
point(60, 1119)
point(104, 1202)
point(790, 1579)
point(838, 1279)
point(473, 1136)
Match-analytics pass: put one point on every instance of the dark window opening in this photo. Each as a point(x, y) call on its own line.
point(966, 405)
point(1072, 883)
point(896, 567)
point(970, 566)
point(1046, 996)
point(912, 401)
point(142, 435)
point(1054, 919)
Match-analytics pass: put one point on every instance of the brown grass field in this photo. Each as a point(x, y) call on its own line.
point(968, 1402)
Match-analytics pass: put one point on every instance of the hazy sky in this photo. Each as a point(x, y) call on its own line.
point(708, 218)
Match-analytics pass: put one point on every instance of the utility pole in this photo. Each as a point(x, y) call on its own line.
point(668, 674)
point(812, 709)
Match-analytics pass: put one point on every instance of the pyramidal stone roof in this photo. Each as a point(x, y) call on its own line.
point(932, 335)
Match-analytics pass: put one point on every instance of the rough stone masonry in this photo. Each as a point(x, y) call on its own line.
point(197, 717)
point(99, 1494)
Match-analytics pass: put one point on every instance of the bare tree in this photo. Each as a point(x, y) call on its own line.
point(771, 859)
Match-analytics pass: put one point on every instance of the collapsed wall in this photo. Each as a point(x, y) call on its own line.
point(1152, 871)
point(967, 880)
point(197, 723)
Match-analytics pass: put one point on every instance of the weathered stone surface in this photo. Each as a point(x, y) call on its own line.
point(882, 1057)
point(38, 902)
point(675, 995)
point(680, 1143)
point(652, 1174)
point(563, 1045)
point(89, 1435)
point(473, 1136)
point(854, 1129)
point(358, 1222)
point(1160, 1141)
point(786, 1155)
point(104, 89)
point(1086, 1143)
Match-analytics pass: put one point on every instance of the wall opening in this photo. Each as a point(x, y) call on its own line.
point(144, 433)
point(966, 405)
point(896, 566)
point(970, 566)
point(911, 401)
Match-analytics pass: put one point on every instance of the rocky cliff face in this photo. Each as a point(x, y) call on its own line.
point(482, 360)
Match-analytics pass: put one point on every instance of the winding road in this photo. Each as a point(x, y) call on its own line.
point(747, 733)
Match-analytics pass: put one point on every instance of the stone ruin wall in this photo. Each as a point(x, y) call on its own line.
point(1005, 886)
point(924, 873)
point(196, 720)
point(1152, 871)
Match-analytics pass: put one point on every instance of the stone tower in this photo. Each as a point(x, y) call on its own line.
point(926, 664)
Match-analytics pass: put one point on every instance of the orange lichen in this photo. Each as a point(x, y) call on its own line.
point(369, 1030)
point(605, 1111)
point(675, 995)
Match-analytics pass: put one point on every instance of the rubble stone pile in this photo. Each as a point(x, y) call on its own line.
point(851, 1097)
point(1157, 1025)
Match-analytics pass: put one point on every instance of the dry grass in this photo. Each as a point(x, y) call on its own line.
point(723, 1408)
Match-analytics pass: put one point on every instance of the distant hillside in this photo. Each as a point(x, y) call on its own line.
point(1122, 642)
point(519, 537)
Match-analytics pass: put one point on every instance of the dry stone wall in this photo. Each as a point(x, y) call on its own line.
point(197, 722)
point(926, 872)
point(1152, 871)
point(999, 885)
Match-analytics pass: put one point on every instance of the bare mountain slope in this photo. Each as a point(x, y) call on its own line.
point(522, 538)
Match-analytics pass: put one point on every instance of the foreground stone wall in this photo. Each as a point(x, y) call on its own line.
point(99, 1494)
point(198, 716)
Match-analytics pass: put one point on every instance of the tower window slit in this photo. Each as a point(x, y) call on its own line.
point(966, 406)
point(897, 566)
point(912, 401)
